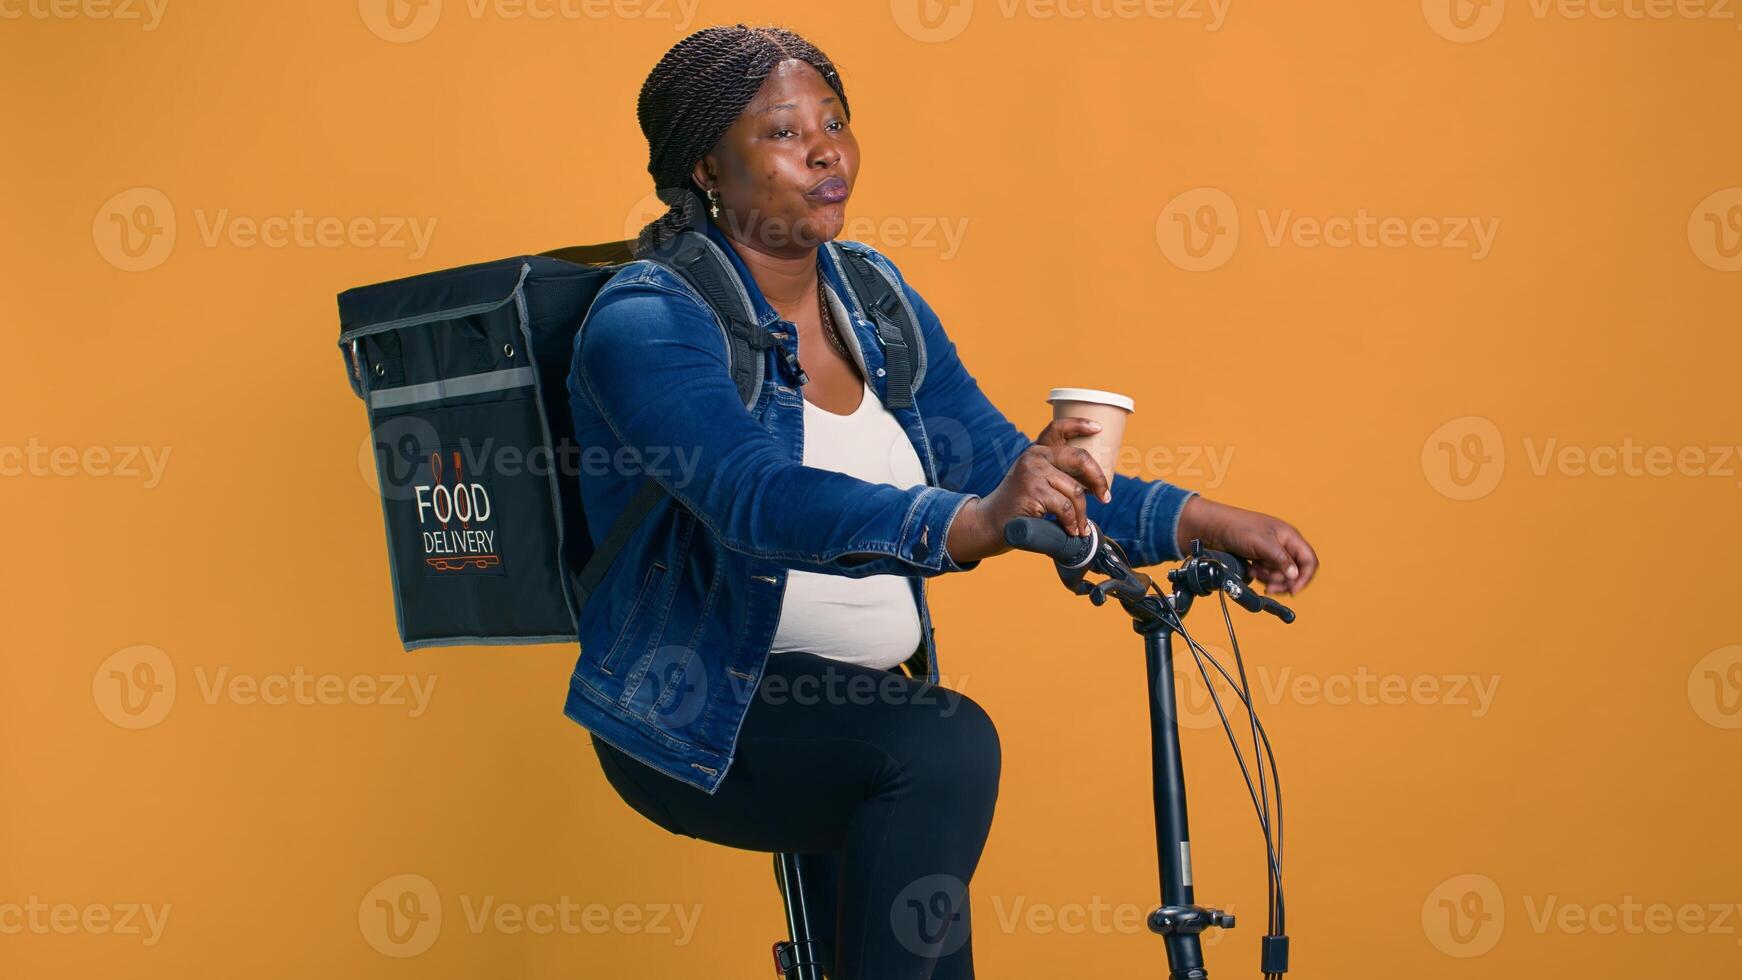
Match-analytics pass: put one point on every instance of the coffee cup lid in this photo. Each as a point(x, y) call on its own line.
point(1092, 395)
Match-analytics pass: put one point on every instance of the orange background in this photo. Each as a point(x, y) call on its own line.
point(1346, 383)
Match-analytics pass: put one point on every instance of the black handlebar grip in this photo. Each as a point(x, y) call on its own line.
point(1236, 566)
point(1039, 535)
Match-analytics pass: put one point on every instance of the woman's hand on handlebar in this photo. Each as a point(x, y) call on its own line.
point(1048, 478)
point(1280, 557)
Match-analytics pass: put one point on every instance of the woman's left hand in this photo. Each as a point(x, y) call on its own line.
point(1282, 561)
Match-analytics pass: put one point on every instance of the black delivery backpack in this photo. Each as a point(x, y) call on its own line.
point(464, 374)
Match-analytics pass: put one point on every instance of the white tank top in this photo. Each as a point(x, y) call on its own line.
point(870, 620)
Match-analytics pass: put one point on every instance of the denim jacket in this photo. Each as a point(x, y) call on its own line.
point(675, 637)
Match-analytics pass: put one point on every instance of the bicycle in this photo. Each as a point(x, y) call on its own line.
point(1157, 617)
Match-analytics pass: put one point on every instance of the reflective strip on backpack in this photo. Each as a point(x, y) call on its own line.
point(466, 384)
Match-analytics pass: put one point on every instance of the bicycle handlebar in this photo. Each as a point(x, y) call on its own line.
point(1039, 535)
point(1203, 573)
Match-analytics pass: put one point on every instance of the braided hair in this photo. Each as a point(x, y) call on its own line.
point(693, 96)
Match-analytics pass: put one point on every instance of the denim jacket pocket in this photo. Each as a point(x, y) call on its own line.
point(631, 630)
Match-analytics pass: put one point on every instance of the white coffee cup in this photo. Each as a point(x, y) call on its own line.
point(1111, 409)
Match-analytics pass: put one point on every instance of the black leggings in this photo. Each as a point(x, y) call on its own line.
point(885, 783)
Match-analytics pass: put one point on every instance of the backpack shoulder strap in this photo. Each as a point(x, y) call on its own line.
point(903, 345)
point(699, 262)
point(634, 512)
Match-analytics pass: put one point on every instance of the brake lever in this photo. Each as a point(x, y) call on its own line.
point(1122, 581)
point(1212, 571)
point(1252, 601)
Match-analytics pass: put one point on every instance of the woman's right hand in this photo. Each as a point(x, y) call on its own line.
point(1048, 478)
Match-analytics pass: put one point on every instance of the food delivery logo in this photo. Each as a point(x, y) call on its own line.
point(455, 518)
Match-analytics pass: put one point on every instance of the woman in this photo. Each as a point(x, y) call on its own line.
point(742, 662)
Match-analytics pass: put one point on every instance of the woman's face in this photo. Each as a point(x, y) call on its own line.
point(785, 169)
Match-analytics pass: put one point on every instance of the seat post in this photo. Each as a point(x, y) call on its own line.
point(800, 957)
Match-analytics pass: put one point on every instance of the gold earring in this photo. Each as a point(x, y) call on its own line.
point(713, 202)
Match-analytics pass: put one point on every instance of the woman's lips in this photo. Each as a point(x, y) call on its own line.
point(831, 191)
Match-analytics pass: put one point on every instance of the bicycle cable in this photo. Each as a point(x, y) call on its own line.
point(1260, 794)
